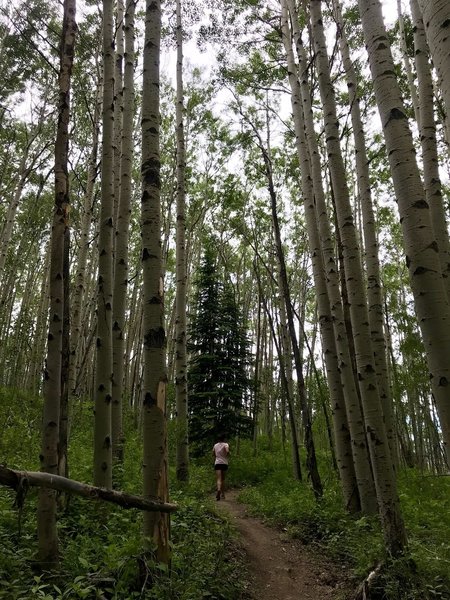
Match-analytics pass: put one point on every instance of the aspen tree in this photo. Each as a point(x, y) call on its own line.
point(436, 18)
point(39, 343)
point(119, 102)
point(156, 525)
point(79, 293)
point(285, 353)
point(406, 60)
point(427, 131)
point(372, 263)
point(7, 230)
point(352, 409)
point(28, 162)
point(48, 554)
point(383, 471)
point(257, 368)
point(284, 344)
point(350, 487)
point(421, 249)
point(103, 374)
point(181, 389)
point(311, 460)
point(121, 270)
point(63, 443)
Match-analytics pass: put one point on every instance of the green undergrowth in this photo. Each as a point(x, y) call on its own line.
point(101, 552)
point(102, 555)
point(101, 548)
point(356, 542)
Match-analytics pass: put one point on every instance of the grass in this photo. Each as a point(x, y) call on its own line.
point(102, 554)
point(102, 557)
point(357, 542)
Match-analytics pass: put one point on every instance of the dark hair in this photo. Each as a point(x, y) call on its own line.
point(221, 437)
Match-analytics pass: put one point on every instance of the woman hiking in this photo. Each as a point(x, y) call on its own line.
point(221, 452)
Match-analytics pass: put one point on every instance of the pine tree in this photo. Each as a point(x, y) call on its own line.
point(219, 355)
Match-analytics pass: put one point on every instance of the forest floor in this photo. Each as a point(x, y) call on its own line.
point(279, 567)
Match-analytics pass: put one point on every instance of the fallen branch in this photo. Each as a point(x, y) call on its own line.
point(365, 588)
point(15, 480)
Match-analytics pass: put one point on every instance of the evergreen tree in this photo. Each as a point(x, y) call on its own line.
point(219, 387)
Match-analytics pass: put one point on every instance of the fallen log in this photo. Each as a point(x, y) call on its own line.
point(18, 479)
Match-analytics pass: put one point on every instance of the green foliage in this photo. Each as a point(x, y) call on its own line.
point(105, 557)
point(215, 574)
point(219, 387)
point(102, 553)
point(357, 542)
point(19, 442)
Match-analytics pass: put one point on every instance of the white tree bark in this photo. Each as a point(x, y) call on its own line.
point(427, 131)
point(374, 289)
point(352, 403)
point(422, 252)
point(48, 554)
point(382, 465)
point(121, 271)
point(156, 526)
point(181, 389)
point(103, 375)
point(436, 18)
point(79, 292)
point(341, 429)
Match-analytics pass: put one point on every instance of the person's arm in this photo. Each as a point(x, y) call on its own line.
point(227, 448)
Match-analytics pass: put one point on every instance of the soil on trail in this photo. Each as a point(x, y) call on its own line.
point(281, 568)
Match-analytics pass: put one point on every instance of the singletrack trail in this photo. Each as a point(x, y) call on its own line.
point(281, 568)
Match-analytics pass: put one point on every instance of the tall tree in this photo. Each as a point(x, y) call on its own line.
point(121, 259)
point(384, 476)
point(218, 381)
point(47, 531)
point(103, 375)
point(436, 18)
point(353, 496)
point(371, 250)
point(421, 249)
point(181, 390)
point(156, 525)
point(428, 140)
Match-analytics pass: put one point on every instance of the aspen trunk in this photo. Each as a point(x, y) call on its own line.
point(119, 103)
point(342, 437)
point(48, 554)
point(39, 344)
point(15, 480)
point(156, 525)
point(103, 375)
point(427, 130)
point(374, 289)
point(8, 226)
point(422, 252)
point(285, 354)
point(436, 18)
point(384, 476)
point(352, 404)
point(181, 389)
point(80, 292)
point(121, 271)
point(311, 461)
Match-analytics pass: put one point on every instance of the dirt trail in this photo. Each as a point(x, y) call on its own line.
point(280, 568)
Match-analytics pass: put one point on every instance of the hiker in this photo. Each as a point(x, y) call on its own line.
point(221, 452)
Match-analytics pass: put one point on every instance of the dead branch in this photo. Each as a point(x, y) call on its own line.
point(15, 479)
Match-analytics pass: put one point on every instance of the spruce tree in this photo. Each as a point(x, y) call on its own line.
point(219, 387)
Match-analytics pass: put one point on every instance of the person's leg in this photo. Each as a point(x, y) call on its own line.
point(222, 484)
point(218, 483)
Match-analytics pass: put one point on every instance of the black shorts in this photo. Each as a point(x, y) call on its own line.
point(220, 467)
